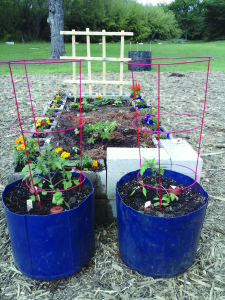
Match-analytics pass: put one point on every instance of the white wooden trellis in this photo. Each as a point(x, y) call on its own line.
point(104, 59)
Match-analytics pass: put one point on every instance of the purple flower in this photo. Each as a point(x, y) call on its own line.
point(148, 120)
point(156, 130)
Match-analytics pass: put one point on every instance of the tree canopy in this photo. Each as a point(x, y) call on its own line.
point(192, 19)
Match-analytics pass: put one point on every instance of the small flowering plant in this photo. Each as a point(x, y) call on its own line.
point(87, 161)
point(162, 134)
point(141, 102)
point(49, 173)
point(19, 153)
point(59, 93)
point(42, 123)
point(136, 90)
point(58, 97)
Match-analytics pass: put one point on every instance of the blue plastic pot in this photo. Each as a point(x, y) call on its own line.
point(52, 246)
point(159, 246)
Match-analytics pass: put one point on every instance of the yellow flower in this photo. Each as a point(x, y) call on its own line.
point(57, 96)
point(58, 90)
point(55, 101)
point(153, 108)
point(65, 154)
point(99, 97)
point(38, 119)
point(48, 107)
point(138, 100)
point(54, 106)
point(58, 150)
point(19, 140)
point(47, 119)
point(95, 163)
point(21, 146)
point(38, 124)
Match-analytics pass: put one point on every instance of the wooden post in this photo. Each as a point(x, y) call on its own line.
point(89, 60)
point(104, 60)
point(121, 62)
point(73, 63)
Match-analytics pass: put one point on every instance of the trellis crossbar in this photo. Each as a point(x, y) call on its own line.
point(104, 59)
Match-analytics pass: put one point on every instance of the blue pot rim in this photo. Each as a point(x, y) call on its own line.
point(119, 198)
point(14, 183)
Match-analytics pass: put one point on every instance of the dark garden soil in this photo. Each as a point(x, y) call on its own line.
point(185, 203)
point(123, 136)
point(16, 199)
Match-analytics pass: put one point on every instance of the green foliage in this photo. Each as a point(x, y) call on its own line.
point(50, 164)
point(165, 199)
point(84, 104)
point(214, 21)
point(100, 129)
point(117, 101)
point(163, 136)
point(27, 20)
point(141, 102)
point(190, 17)
point(19, 153)
point(141, 187)
point(101, 101)
point(87, 161)
point(150, 163)
point(50, 111)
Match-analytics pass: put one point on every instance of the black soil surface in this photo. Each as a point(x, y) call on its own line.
point(185, 203)
point(16, 199)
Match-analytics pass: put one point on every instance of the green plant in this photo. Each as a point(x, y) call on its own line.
point(161, 134)
point(58, 97)
point(101, 100)
point(84, 104)
point(141, 187)
point(76, 131)
point(117, 101)
point(59, 94)
point(49, 167)
point(167, 197)
point(19, 153)
point(87, 161)
point(141, 102)
point(103, 130)
point(136, 90)
point(50, 110)
point(42, 123)
point(150, 119)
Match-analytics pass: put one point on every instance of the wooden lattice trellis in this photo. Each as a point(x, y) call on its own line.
point(104, 59)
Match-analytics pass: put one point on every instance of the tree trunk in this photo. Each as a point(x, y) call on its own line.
point(56, 22)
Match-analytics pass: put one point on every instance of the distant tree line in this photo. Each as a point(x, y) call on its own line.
point(190, 19)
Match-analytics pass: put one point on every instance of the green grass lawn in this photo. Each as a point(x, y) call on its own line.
point(163, 49)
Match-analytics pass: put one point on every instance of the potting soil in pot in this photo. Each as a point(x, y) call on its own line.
point(16, 199)
point(184, 204)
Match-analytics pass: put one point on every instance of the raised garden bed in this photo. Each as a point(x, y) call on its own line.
point(123, 135)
